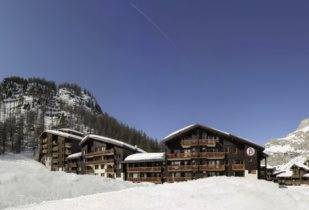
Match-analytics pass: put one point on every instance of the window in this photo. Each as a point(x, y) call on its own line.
point(102, 166)
point(96, 166)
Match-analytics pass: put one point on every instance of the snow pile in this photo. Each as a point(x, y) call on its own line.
point(219, 193)
point(140, 157)
point(24, 181)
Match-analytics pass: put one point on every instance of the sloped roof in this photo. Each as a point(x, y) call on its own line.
point(301, 165)
point(111, 141)
point(193, 126)
point(285, 174)
point(145, 157)
point(63, 134)
point(75, 155)
point(74, 132)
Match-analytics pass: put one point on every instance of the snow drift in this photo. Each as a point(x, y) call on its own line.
point(24, 181)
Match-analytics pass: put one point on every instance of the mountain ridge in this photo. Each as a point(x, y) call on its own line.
point(29, 106)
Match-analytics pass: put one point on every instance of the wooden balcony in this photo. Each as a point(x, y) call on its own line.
point(55, 161)
point(157, 180)
point(212, 155)
point(55, 149)
point(67, 145)
point(44, 146)
point(99, 161)
point(177, 179)
point(182, 168)
point(72, 164)
point(179, 156)
point(189, 143)
point(238, 167)
point(100, 153)
point(220, 167)
point(110, 170)
point(55, 155)
point(44, 151)
point(44, 141)
point(207, 142)
point(144, 169)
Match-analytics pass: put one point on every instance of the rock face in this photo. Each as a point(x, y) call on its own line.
point(28, 106)
point(294, 145)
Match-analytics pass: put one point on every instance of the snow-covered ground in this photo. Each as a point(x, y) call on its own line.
point(26, 182)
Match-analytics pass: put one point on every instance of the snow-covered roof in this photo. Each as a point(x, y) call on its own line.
point(111, 141)
point(187, 128)
point(145, 157)
point(268, 166)
point(63, 134)
point(72, 131)
point(301, 165)
point(306, 175)
point(285, 174)
point(75, 155)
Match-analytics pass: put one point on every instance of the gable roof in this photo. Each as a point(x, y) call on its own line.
point(301, 165)
point(63, 134)
point(74, 132)
point(223, 133)
point(111, 141)
point(75, 155)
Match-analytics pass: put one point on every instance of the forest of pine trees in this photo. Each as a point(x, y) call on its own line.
point(20, 131)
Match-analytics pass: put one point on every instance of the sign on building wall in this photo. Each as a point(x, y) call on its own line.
point(250, 151)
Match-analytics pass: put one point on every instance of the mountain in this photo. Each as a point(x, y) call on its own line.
point(28, 106)
point(293, 147)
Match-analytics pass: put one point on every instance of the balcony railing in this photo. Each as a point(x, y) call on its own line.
point(177, 179)
point(212, 155)
point(44, 151)
point(189, 143)
point(238, 167)
point(67, 145)
point(44, 141)
point(55, 155)
point(44, 146)
point(146, 179)
point(219, 167)
point(207, 142)
point(101, 152)
point(144, 169)
point(182, 155)
point(99, 161)
point(182, 168)
point(55, 149)
point(110, 170)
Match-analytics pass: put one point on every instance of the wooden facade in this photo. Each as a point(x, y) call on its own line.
point(198, 151)
point(54, 148)
point(103, 156)
point(145, 167)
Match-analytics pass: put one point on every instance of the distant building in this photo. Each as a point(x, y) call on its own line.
point(103, 156)
point(145, 167)
point(55, 146)
point(297, 174)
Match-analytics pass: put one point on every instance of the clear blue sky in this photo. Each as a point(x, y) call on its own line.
point(240, 66)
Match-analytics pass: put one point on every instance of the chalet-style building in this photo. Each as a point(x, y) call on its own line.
point(144, 167)
point(103, 156)
point(297, 175)
point(197, 151)
point(55, 146)
point(75, 163)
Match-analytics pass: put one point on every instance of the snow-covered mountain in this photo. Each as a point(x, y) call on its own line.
point(294, 146)
point(28, 106)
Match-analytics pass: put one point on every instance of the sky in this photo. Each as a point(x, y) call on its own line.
point(157, 65)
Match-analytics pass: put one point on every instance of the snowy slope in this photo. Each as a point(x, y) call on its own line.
point(295, 144)
point(218, 193)
point(24, 181)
